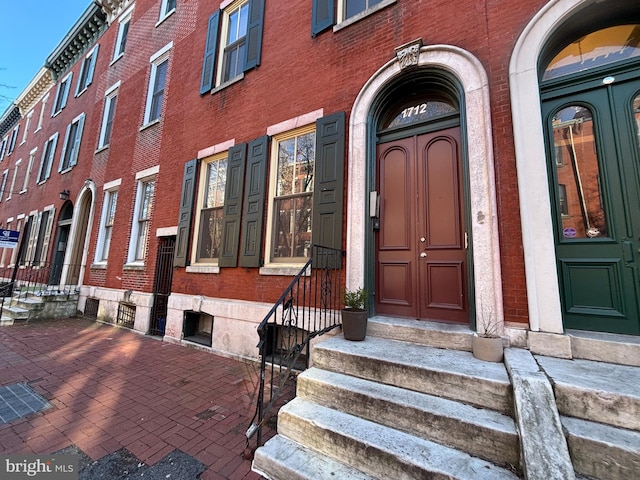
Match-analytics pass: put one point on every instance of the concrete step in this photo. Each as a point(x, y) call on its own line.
point(30, 303)
point(452, 374)
point(282, 459)
point(602, 451)
point(15, 312)
point(605, 347)
point(377, 450)
point(5, 320)
point(432, 334)
point(480, 432)
point(595, 391)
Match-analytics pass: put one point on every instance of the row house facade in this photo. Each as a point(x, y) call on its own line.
point(178, 160)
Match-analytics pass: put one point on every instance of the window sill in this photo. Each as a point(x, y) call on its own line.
point(285, 269)
point(101, 149)
point(369, 11)
point(150, 124)
point(99, 266)
point(222, 86)
point(139, 266)
point(116, 59)
point(165, 17)
point(203, 269)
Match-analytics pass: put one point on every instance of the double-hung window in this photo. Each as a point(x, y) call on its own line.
point(143, 208)
point(12, 141)
point(293, 162)
point(71, 146)
point(210, 208)
point(107, 220)
point(27, 124)
point(325, 14)
point(27, 173)
point(3, 184)
point(167, 8)
point(62, 94)
point(111, 96)
point(123, 32)
point(13, 179)
point(48, 152)
point(86, 70)
point(3, 147)
point(157, 83)
point(234, 43)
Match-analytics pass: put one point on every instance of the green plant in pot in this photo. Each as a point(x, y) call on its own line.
point(354, 314)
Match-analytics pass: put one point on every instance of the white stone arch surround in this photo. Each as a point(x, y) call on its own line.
point(545, 312)
point(80, 234)
point(476, 118)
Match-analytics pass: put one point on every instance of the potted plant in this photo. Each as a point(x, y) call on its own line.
point(486, 344)
point(354, 314)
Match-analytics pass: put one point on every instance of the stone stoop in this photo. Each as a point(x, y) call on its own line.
point(599, 404)
point(39, 307)
point(386, 408)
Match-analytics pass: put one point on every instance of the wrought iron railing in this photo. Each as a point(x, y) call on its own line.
point(309, 307)
point(23, 281)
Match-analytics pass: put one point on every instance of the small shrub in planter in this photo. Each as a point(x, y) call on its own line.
point(354, 315)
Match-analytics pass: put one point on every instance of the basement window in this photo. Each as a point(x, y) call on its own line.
point(198, 328)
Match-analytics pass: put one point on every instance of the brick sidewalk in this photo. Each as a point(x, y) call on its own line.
point(112, 388)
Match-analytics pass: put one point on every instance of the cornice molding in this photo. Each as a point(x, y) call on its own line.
point(34, 92)
point(80, 38)
point(113, 8)
point(10, 117)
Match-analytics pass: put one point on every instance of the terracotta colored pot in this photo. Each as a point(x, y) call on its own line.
point(489, 349)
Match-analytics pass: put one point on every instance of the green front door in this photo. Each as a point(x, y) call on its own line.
point(594, 163)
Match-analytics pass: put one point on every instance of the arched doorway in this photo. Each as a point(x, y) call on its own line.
point(76, 255)
point(462, 69)
point(62, 237)
point(421, 256)
point(554, 27)
point(591, 114)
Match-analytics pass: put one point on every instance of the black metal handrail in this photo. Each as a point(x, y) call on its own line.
point(309, 307)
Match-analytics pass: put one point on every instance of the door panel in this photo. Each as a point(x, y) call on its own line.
point(420, 247)
point(592, 135)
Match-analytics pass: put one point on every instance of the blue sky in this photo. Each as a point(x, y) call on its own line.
point(29, 31)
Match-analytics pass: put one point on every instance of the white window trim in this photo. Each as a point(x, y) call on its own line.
point(222, 35)
point(45, 99)
point(156, 59)
point(66, 81)
point(270, 267)
point(84, 66)
point(13, 138)
point(108, 98)
point(125, 17)
point(345, 22)
point(141, 177)
point(108, 188)
point(72, 162)
point(202, 182)
point(27, 124)
point(13, 180)
point(163, 13)
point(27, 174)
point(3, 183)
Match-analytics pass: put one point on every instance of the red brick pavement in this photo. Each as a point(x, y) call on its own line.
point(113, 388)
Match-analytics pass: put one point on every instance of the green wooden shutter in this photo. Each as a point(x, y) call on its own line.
point(181, 253)
point(209, 63)
point(254, 34)
point(322, 16)
point(232, 206)
point(328, 186)
point(254, 200)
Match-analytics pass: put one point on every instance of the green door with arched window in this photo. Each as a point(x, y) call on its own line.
point(592, 129)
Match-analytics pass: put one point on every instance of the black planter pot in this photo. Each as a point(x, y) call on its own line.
point(354, 324)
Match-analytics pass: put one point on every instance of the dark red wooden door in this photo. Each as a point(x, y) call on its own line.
point(421, 244)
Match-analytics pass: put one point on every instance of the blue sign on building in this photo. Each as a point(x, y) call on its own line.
point(9, 238)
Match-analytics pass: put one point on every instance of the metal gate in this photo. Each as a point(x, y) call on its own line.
point(162, 286)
